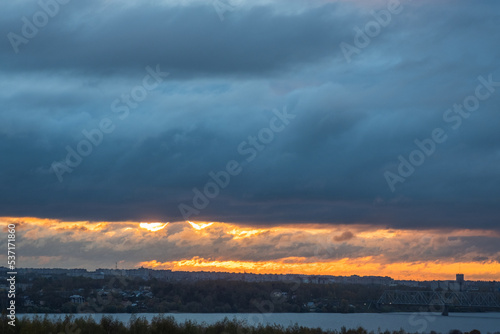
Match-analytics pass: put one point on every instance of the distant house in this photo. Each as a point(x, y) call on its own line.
point(77, 299)
point(311, 306)
point(27, 301)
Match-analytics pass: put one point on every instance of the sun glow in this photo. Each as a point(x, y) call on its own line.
point(153, 227)
point(200, 226)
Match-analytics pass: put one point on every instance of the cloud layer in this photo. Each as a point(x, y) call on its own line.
point(352, 120)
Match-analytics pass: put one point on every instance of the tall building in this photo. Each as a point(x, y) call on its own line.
point(460, 281)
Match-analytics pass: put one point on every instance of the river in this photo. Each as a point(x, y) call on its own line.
point(410, 322)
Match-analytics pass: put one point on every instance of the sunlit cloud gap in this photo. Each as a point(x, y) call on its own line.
point(200, 226)
point(153, 227)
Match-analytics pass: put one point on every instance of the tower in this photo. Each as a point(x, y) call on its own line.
point(460, 280)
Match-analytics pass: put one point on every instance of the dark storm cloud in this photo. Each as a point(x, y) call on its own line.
point(352, 120)
point(189, 40)
point(347, 235)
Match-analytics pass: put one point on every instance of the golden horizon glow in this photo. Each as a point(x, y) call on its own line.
point(314, 249)
point(153, 227)
point(418, 271)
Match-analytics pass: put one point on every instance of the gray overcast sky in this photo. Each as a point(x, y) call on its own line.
point(353, 117)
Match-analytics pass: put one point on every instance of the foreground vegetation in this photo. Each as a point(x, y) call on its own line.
point(166, 325)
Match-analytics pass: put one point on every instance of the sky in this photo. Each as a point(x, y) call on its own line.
point(336, 137)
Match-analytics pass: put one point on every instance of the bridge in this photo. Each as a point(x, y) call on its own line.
point(443, 299)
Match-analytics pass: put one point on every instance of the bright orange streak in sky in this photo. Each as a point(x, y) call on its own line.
point(344, 267)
